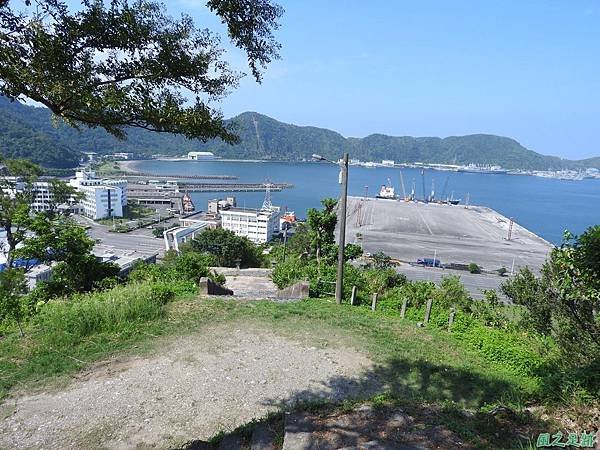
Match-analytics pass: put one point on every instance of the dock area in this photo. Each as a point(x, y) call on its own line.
point(454, 234)
point(146, 175)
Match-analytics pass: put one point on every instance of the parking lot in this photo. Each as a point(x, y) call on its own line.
point(408, 231)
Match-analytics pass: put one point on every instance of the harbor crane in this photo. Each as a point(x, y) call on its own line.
point(403, 189)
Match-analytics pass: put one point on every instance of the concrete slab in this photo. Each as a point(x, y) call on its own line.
point(408, 231)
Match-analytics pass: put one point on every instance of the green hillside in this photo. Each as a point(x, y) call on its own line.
point(22, 137)
point(27, 131)
point(264, 137)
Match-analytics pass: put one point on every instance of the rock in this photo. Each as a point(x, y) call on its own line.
point(298, 430)
point(299, 290)
point(263, 437)
point(231, 442)
point(209, 287)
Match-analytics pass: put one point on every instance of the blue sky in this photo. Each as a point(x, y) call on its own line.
point(525, 69)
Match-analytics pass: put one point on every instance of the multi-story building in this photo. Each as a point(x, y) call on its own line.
point(258, 225)
point(100, 202)
point(42, 198)
point(102, 198)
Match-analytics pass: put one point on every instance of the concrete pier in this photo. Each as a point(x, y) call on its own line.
point(408, 231)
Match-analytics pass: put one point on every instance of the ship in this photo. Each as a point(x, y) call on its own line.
point(387, 192)
point(289, 216)
point(474, 168)
point(188, 204)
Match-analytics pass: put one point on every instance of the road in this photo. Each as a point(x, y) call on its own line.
point(474, 283)
point(139, 241)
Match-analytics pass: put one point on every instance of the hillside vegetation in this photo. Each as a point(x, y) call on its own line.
point(28, 132)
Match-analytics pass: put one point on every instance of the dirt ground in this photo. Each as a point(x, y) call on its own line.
point(191, 388)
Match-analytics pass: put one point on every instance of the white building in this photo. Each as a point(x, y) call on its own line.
point(123, 155)
point(43, 198)
point(42, 195)
point(258, 225)
point(180, 235)
point(387, 162)
point(102, 198)
point(201, 156)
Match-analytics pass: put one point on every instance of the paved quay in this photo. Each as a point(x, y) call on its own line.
point(408, 231)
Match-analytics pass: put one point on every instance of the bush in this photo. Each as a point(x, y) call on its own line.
point(474, 268)
point(181, 272)
point(418, 292)
point(228, 248)
point(161, 293)
point(451, 292)
point(382, 261)
point(380, 280)
point(157, 232)
point(191, 266)
point(287, 273)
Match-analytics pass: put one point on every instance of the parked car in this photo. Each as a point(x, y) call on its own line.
point(429, 262)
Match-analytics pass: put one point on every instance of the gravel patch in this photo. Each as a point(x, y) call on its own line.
point(192, 388)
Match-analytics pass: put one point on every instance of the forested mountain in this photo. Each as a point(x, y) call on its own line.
point(263, 137)
point(27, 131)
point(21, 136)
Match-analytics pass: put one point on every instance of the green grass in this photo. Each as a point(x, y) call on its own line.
point(413, 366)
point(412, 363)
point(133, 212)
point(109, 168)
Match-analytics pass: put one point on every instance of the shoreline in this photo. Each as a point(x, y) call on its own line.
point(129, 166)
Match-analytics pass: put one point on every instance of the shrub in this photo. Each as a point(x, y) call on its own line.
point(157, 232)
point(191, 266)
point(380, 280)
point(287, 273)
point(182, 272)
point(228, 248)
point(382, 261)
point(418, 292)
point(451, 292)
point(474, 268)
point(161, 293)
point(352, 251)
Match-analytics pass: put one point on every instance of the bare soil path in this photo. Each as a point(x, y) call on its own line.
point(192, 387)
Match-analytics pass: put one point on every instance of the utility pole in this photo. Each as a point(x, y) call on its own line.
point(285, 230)
point(339, 282)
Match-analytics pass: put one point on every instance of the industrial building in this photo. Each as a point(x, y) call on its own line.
point(201, 156)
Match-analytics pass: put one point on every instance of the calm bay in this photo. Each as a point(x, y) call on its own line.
point(545, 206)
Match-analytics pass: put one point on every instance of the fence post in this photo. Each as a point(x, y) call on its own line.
point(428, 310)
point(353, 296)
point(374, 301)
point(451, 318)
point(403, 309)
